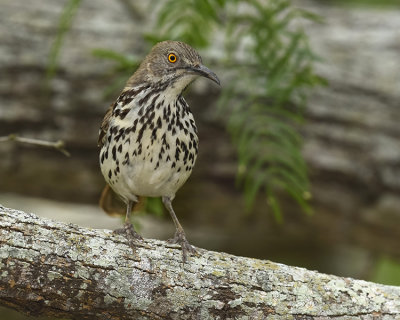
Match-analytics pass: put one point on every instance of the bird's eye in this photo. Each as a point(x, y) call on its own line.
point(172, 58)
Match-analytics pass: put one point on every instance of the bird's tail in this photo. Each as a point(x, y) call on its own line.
point(113, 206)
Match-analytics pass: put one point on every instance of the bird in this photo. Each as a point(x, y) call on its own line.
point(148, 138)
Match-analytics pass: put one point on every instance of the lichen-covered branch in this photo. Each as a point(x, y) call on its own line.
point(48, 267)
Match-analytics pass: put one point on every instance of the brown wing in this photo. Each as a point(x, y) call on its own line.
point(125, 98)
point(104, 125)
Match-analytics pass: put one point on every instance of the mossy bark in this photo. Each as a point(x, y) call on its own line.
point(51, 268)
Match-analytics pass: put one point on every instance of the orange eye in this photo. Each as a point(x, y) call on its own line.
point(172, 58)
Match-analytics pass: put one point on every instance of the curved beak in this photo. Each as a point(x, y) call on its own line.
point(205, 72)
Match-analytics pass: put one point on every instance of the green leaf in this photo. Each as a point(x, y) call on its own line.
point(155, 206)
point(64, 26)
point(273, 203)
point(124, 62)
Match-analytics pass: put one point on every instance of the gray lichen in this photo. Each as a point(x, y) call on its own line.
point(76, 272)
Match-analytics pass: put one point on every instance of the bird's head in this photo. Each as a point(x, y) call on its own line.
point(171, 63)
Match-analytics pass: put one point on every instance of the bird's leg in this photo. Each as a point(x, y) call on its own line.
point(180, 236)
point(128, 230)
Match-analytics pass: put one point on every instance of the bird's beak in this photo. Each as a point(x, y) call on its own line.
point(205, 72)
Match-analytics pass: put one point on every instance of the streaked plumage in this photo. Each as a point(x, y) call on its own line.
point(148, 137)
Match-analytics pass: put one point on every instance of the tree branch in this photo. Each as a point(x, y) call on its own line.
point(58, 145)
point(52, 268)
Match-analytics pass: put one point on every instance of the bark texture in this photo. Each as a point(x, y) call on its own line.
point(352, 133)
point(52, 268)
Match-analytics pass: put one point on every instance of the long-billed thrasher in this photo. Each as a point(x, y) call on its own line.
point(148, 137)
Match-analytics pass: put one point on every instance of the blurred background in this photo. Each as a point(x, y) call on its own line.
point(299, 157)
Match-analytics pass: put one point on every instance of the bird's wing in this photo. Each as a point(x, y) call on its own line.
point(104, 125)
point(124, 98)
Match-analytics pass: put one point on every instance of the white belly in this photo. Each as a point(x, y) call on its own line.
point(142, 179)
point(157, 170)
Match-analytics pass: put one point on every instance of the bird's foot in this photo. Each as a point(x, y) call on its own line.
point(129, 232)
point(180, 238)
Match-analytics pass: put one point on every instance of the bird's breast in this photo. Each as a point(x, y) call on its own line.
point(152, 149)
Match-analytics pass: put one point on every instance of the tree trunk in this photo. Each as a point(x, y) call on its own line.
point(51, 268)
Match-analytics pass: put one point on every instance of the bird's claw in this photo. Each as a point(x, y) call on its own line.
point(180, 238)
point(129, 232)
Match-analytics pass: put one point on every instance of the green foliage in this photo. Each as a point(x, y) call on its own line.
point(155, 206)
point(63, 27)
point(123, 66)
point(189, 21)
point(122, 62)
point(278, 68)
point(270, 67)
point(387, 271)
